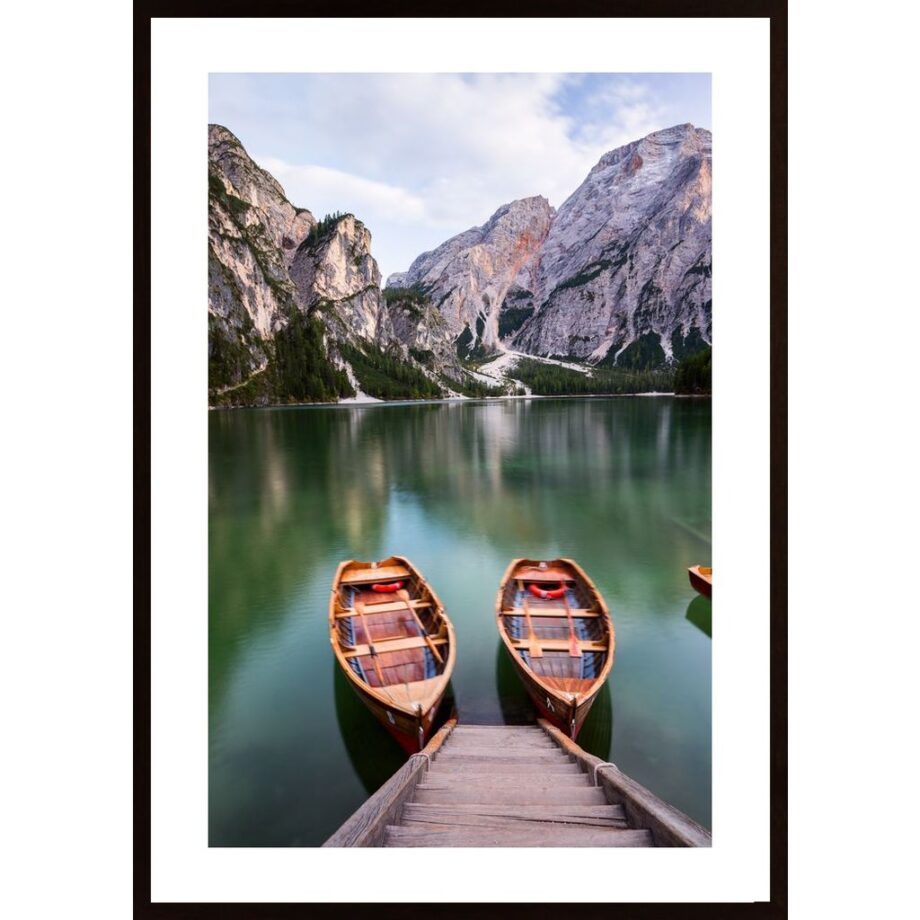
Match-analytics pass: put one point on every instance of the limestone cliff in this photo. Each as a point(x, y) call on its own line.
point(621, 274)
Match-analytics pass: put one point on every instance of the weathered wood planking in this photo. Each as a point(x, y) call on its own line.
point(367, 826)
point(527, 786)
point(669, 827)
point(435, 793)
point(536, 836)
point(605, 815)
point(467, 780)
point(504, 757)
point(522, 768)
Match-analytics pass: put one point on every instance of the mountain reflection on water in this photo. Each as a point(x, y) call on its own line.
point(622, 485)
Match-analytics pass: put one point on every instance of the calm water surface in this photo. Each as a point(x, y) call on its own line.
point(622, 485)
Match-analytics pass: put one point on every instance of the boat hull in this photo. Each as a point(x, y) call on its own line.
point(700, 583)
point(403, 728)
point(553, 709)
point(407, 701)
point(566, 710)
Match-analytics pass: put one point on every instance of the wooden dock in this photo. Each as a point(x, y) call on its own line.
point(513, 786)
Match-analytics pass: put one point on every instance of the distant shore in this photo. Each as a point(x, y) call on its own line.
point(353, 403)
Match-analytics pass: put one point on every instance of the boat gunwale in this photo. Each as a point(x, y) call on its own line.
point(698, 571)
point(438, 684)
point(582, 697)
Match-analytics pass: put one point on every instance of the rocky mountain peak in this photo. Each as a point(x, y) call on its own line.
point(469, 275)
point(624, 274)
point(243, 177)
point(620, 274)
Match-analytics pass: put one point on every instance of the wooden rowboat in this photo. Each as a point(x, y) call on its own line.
point(394, 643)
point(558, 632)
point(701, 579)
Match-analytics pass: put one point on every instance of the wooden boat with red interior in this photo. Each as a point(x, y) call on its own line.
point(394, 643)
point(557, 630)
point(701, 579)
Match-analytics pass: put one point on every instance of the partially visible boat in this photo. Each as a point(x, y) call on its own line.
point(394, 643)
point(557, 629)
point(701, 579)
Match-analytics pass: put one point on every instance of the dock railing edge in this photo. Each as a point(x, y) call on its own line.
point(669, 826)
point(367, 826)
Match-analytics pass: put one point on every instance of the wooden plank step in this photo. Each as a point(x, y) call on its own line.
point(450, 794)
point(517, 768)
point(541, 812)
point(498, 730)
point(536, 836)
point(495, 737)
point(484, 747)
point(381, 573)
point(439, 819)
point(443, 776)
point(502, 757)
point(498, 736)
point(483, 751)
point(391, 645)
point(580, 612)
point(383, 608)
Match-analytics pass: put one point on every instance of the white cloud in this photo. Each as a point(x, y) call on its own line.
point(419, 157)
point(333, 190)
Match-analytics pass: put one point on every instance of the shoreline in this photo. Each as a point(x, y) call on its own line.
point(372, 402)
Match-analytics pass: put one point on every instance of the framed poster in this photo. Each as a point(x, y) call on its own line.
point(439, 466)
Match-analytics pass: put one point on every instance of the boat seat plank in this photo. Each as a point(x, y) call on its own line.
point(408, 695)
point(391, 645)
point(551, 612)
point(382, 573)
point(567, 684)
point(372, 609)
point(560, 645)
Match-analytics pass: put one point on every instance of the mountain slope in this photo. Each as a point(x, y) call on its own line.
point(621, 274)
point(295, 311)
point(469, 275)
point(619, 279)
point(625, 272)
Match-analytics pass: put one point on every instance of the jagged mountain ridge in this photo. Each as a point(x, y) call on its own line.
point(621, 274)
point(469, 275)
point(293, 302)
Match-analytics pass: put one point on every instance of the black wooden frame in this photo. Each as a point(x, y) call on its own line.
point(776, 12)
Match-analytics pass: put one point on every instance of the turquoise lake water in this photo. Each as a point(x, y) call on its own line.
point(622, 485)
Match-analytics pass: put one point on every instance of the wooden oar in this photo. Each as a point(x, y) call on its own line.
point(574, 647)
point(359, 607)
point(404, 596)
point(535, 649)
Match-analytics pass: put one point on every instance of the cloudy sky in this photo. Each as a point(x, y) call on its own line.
point(421, 157)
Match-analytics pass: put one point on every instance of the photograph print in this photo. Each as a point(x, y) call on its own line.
point(459, 339)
